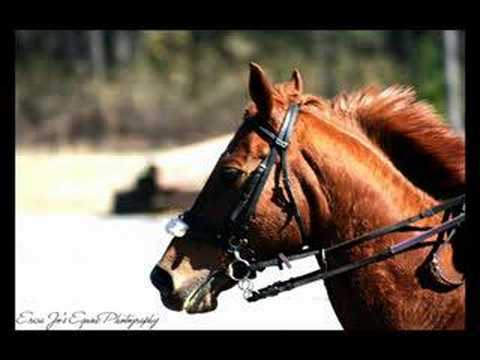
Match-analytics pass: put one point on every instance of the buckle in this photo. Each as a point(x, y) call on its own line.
point(279, 142)
point(274, 138)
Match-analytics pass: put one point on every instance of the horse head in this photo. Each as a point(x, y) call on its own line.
point(192, 272)
point(349, 165)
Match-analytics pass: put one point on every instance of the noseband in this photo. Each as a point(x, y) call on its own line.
point(233, 236)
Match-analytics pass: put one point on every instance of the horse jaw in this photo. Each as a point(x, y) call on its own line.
point(205, 297)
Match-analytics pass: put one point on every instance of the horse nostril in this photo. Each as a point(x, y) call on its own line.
point(161, 280)
point(231, 174)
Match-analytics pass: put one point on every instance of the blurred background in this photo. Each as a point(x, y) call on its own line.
point(132, 122)
point(107, 97)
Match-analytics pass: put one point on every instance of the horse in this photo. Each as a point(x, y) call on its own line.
point(360, 161)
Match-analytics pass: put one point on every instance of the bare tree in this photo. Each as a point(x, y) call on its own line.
point(453, 77)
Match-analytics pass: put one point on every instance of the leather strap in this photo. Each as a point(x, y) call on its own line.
point(391, 251)
point(242, 214)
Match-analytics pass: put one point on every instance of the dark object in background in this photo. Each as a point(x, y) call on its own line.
point(148, 197)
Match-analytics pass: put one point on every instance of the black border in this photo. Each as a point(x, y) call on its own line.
point(472, 159)
point(473, 181)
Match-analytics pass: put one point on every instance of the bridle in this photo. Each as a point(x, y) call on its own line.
point(233, 235)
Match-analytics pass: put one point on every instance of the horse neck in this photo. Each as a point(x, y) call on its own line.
point(365, 192)
point(363, 189)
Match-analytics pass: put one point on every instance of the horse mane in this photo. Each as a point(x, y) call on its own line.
point(412, 135)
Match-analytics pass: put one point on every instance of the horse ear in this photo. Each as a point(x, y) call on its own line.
point(297, 81)
point(260, 89)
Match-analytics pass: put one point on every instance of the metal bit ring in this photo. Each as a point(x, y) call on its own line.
point(238, 262)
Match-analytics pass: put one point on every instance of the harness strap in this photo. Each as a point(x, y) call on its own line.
point(287, 185)
point(260, 265)
point(434, 264)
point(292, 113)
point(401, 226)
point(292, 283)
point(250, 197)
point(241, 215)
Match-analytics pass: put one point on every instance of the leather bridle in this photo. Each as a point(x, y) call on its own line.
point(233, 236)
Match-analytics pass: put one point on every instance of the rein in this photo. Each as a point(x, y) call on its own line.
point(323, 274)
point(233, 237)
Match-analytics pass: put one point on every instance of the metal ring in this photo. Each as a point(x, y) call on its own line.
point(234, 246)
point(236, 255)
point(247, 294)
point(231, 271)
point(245, 284)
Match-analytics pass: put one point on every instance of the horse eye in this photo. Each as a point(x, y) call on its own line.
point(231, 174)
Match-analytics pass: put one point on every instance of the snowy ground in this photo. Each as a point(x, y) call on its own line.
point(71, 268)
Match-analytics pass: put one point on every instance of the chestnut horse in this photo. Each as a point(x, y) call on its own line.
point(358, 162)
